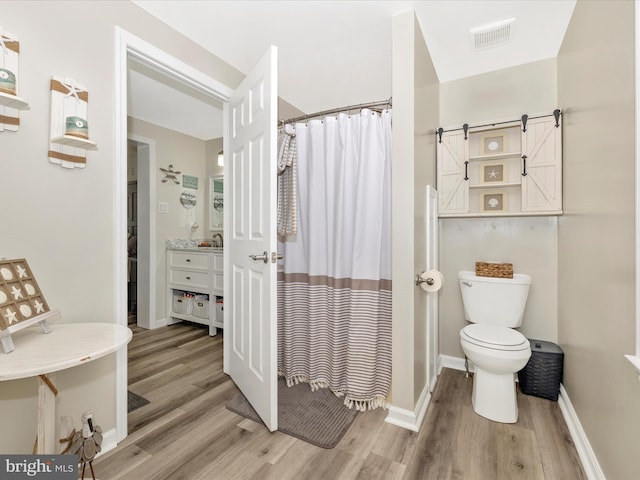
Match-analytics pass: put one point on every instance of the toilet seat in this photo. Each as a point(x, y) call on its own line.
point(494, 337)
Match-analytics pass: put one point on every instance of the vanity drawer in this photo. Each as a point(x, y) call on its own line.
point(189, 278)
point(189, 260)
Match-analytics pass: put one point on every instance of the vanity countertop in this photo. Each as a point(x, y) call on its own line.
point(196, 249)
point(191, 245)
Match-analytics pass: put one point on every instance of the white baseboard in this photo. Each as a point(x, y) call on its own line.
point(109, 441)
point(455, 363)
point(588, 458)
point(411, 420)
point(160, 322)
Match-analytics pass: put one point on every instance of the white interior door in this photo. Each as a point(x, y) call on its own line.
point(250, 312)
point(432, 298)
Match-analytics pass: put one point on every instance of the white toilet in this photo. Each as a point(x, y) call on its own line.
point(495, 306)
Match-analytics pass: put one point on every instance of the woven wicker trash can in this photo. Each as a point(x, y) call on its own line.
point(542, 375)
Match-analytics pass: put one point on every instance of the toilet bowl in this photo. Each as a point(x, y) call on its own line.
point(497, 353)
point(495, 306)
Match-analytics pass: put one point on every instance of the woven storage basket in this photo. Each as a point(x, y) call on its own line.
point(542, 375)
point(493, 269)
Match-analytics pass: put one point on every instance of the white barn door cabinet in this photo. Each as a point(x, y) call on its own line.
point(507, 169)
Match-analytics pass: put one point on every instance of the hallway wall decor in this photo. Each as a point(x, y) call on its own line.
point(10, 102)
point(69, 125)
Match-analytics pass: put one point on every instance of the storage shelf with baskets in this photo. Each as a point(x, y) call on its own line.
point(511, 168)
point(195, 288)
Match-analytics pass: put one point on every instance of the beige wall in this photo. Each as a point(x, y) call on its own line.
point(64, 223)
point(530, 243)
point(415, 113)
point(502, 94)
point(425, 117)
point(188, 156)
point(596, 244)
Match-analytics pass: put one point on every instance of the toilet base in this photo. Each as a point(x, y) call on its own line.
point(494, 396)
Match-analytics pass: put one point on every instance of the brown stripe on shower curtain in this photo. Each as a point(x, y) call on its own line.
point(352, 283)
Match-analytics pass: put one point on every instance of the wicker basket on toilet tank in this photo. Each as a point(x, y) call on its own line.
point(494, 269)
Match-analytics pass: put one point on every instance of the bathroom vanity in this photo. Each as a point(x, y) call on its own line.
point(193, 273)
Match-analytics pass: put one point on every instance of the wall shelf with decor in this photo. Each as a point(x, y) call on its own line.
point(511, 168)
point(10, 102)
point(13, 101)
point(69, 136)
point(75, 142)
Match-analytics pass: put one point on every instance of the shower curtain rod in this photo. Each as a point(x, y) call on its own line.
point(337, 110)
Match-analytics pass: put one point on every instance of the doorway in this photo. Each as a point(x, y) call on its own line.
point(128, 47)
point(141, 231)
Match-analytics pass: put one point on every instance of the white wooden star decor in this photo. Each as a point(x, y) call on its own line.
point(69, 140)
point(22, 303)
point(10, 102)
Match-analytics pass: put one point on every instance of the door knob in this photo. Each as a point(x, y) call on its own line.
point(264, 257)
point(276, 256)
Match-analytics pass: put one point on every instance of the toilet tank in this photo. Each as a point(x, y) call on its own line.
point(495, 301)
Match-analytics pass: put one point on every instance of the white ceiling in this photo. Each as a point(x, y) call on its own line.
point(338, 53)
point(163, 101)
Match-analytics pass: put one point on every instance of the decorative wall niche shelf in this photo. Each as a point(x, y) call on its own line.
point(10, 102)
point(69, 140)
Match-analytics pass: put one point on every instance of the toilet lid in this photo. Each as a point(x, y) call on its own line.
point(495, 336)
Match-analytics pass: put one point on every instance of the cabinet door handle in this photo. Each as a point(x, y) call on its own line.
point(188, 259)
point(188, 278)
point(524, 165)
point(466, 167)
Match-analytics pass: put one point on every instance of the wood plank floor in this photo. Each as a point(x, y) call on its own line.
point(185, 432)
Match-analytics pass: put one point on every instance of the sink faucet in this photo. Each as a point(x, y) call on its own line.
point(217, 240)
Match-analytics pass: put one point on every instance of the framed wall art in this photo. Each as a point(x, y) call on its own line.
point(493, 172)
point(493, 202)
point(494, 144)
point(189, 181)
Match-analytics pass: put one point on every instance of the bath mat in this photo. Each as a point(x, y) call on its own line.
point(319, 417)
point(135, 401)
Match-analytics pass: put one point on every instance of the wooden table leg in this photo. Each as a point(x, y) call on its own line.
point(46, 415)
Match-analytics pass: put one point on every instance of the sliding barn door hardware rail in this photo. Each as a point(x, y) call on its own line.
point(524, 119)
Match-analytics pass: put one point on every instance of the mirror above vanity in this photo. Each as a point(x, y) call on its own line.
point(216, 202)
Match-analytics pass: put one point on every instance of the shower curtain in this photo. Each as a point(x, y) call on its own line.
point(334, 284)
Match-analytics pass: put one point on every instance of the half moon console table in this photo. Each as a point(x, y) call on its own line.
point(67, 345)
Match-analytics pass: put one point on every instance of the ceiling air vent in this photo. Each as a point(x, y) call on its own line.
point(491, 35)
